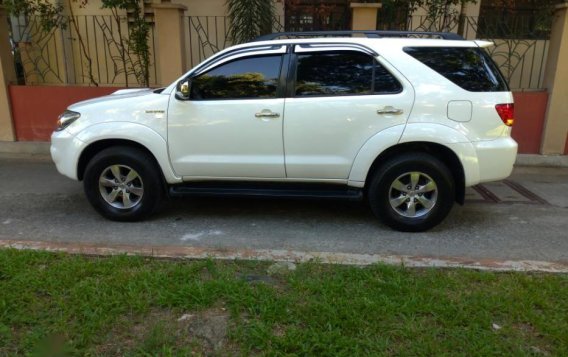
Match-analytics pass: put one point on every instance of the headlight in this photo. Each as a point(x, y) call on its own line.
point(66, 118)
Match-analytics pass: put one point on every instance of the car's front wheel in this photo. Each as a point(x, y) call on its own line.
point(123, 184)
point(412, 192)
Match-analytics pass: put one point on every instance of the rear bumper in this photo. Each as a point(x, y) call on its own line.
point(495, 158)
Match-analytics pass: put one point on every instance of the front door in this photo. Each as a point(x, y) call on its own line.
point(232, 125)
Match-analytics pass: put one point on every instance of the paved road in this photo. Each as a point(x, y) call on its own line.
point(523, 218)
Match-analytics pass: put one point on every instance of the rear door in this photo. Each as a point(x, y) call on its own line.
point(339, 97)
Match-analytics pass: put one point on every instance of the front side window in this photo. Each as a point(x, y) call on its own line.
point(246, 78)
point(342, 73)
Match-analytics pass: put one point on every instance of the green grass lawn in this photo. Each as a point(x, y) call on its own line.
point(57, 304)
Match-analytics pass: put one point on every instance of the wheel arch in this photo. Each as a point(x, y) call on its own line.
point(104, 135)
point(110, 199)
point(442, 152)
point(97, 146)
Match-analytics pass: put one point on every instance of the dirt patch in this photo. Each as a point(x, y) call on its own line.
point(202, 333)
point(205, 275)
point(279, 330)
point(532, 334)
point(255, 279)
point(210, 328)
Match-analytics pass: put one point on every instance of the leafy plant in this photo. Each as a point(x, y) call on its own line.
point(133, 48)
point(137, 41)
point(513, 19)
point(73, 21)
point(319, 15)
point(43, 18)
point(441, 15)
point(249, 19)
point(48, 14)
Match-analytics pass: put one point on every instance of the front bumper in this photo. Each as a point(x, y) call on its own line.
point(65, 151)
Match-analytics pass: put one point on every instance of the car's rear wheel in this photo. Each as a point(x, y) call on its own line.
point(123, 184)
point(412, 192)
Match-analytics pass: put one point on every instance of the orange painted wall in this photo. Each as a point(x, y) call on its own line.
point(35, 108)
point(530, 111)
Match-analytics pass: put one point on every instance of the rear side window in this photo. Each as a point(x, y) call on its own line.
point(337, 73)
point(470, 68)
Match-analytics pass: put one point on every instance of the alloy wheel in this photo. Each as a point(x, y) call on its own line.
point(413, 194)
point(121, 186)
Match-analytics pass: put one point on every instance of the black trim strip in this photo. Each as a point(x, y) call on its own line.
point(291, 80)
point(283, 81)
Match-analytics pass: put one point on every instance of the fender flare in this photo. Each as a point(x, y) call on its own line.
point(372, 148)
point(450, 138)
point(415, 132)
point(134, 132)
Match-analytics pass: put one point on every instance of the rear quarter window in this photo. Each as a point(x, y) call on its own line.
point(471, 68)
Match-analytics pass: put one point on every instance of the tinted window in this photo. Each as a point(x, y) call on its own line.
point(470, 68)
point(384, 82)
point(342, 73)
point(253, 77)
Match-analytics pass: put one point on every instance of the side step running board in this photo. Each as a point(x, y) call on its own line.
point(350, 194)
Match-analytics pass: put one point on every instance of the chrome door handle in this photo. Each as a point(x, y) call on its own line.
point(267, 114)
point(390, 110)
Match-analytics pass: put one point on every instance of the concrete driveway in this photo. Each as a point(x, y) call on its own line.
point(522, 218)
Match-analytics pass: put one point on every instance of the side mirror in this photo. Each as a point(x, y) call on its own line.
point(183, 89)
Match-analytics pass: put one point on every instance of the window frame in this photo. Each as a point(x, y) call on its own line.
point(317, 48)
point(220, 58)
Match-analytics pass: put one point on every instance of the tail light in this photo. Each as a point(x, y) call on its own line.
point(507, 113)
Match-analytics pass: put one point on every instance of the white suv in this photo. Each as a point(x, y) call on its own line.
point(406, 123)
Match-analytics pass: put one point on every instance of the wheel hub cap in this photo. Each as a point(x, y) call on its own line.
point(413, 194)
point(121, 186)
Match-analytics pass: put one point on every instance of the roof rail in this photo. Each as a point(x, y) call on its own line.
point(369, 34)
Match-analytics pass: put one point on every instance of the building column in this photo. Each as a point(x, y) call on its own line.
point(7, 76)
point(469, 15)
point(364, 15)
point(555, 136)
point(170, 41)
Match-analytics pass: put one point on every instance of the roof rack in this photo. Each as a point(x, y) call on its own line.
point(369, 34)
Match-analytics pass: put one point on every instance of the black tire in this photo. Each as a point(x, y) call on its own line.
point(148, 178)
point(398, 169)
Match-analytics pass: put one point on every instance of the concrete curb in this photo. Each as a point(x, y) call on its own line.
point(40, 149)
point(542, 160)
point(176, 252)
point(24, 147)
